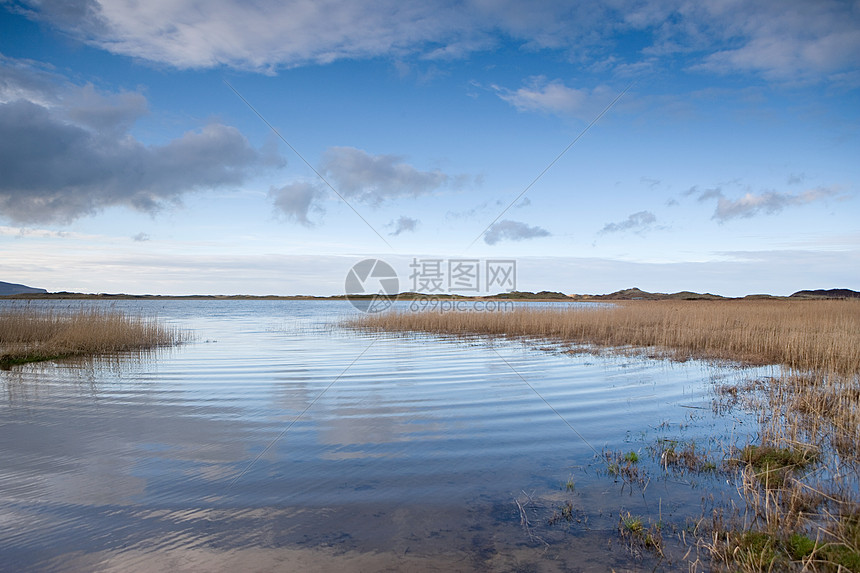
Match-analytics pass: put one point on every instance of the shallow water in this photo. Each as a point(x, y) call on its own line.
point(278, 440)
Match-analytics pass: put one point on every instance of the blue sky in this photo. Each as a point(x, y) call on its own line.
point(728, 165)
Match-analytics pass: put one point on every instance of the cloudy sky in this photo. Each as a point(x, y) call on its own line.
point(174, 147)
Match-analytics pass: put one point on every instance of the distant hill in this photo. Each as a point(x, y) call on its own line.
point(526, 295)
point(639, 294)
point(12, 288)
point(827, 293)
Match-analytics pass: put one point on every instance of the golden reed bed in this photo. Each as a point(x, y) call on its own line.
point(32, 335)
point(822, 335)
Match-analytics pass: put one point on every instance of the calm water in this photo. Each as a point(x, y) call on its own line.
point(279, 441)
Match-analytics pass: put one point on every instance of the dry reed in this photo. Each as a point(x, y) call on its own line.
point(32, 335)
point(802, 335)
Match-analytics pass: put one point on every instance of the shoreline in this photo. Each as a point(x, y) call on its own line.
point(525, 297)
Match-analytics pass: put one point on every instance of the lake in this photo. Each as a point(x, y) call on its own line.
point(278, 440)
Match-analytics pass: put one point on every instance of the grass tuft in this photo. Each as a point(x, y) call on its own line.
point(800, 546)
point(767, 458)
point(634, 530)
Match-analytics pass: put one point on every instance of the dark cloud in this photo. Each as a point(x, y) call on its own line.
point(638, 222)
point(512, 231)
point(140, 237)
point(66, 151)
point(114, 113)
point(296, 200)
point(374, 178)
point(403, 224)
point(57, 171)
point(361, 177)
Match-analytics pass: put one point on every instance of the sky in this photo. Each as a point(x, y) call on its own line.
point(227, 147)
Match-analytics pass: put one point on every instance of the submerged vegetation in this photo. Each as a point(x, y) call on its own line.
point(638, 534)
point(35, 335)
point(800, 480)
point(682, 456)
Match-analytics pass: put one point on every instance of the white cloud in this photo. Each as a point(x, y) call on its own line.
point(707, 194)
point(768, 202)
point(512, 231)
point(553, 97)
point(108, 267)
point(790, 41)
point(33, 232)
point(268, 34)
point(780, 39)
point(764, 203)
point(638, 222)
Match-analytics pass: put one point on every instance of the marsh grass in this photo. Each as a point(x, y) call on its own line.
point(683, 456)
point(639, 535)
point(802, 335)
point(774, 463)
point(570, 485)
point(764, 550)
point(34, 335)
point(625, 466)
point(565, 512)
